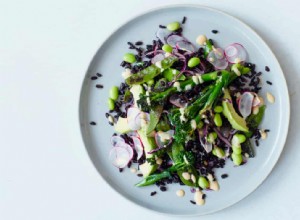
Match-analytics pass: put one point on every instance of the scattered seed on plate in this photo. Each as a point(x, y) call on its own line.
point(138, 43)
point(99, 86)
point(223, 176)
point(193, 202)
point(183, 20)
point(120, 170)
point(162, 26)
point(153, 193)
point(270, 83)
point(214, 31)
point(270, 98)
point(99, 74)
point(94, 77)
point(267, 130)
point(92, 123)
point(180, 193)
point(139, 175)
point(163, 188)
point(256, 143)
point(267, 69)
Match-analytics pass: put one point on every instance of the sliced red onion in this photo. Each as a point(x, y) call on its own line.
point(245, 104)
point(235, 53)
point(172, 40)
point(138, 147)
point(157, 57)
point(119, 156)
point(163, 34)
point(185, 45)
point(217, 59)
point(132, 118)
point(116, 139)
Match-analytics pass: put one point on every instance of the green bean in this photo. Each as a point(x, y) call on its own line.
point(237, 149)
point(218, 152)
point(203, 183)
point(129, 58)
point(241, 138)
point(194, 61)
point(111, 104)
point(114, 93)
point(167, 48)
point(218, 109)
point(218, 120)
point(237, 159)
point(211, 137)
point(173, 26)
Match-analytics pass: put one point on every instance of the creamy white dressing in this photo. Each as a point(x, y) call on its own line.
point(201, 40)
point(236, 71)
point(177, 86)
point(148, 98)
point(200, 79)
point(186, 175)
point(263, 134)
point(198, 197)
point(255, 110)
point(174, 71)
point(158, 64)
point(159, 161)
point(126, 73)
point(270, 98)
point(193, 178)
point(111, 119)
point(195, 79)
point(237, 60)
point(133, 170)
point(182, 117)
point(193, 124)
point(188, 87)
point(180, 193)
point(213, 184)
point(164, 136)
point(167, 54)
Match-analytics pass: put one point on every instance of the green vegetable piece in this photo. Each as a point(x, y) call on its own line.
point(114, 93)
point(167, 48)
point(129, 58)
point(122, 126)
point(150, 82)
point(218, 152)
point(248, 148)
point(254, 120)
point(149, 180)
point(203, 182)
point(168, 62)
point(194, 61)
point(171, 74)
point(218, 109)
point(143, 76)
point(241, 138)
point(237, 149)
point(154, 119)
point(200, 124)
point(111, 104)
point(237, 159)
point(160, 85)
point(218, 120)
point(210, 76)
point(212, 137)
point(173, 26)
point(208, 47)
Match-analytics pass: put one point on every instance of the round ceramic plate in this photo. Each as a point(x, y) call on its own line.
point(200, 20)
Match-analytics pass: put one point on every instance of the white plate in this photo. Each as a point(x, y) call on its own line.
point(200, 20)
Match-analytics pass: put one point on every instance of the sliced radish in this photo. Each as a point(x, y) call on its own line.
point(116, 139)
point(119, 156)
point(138, 147)
point(172, 40)
point(132, 116)
point(245, 104)
point(257, 100)
point(185, 45)
point(157, 57)
point(217, 59)
point(235, 53)
point(163, 34)
point(127, 147)
point(208, 147)
point(163, 138)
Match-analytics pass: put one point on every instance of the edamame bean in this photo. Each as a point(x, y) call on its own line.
point(237, 159)
point(167, 48)
point(203, 183)
point(211, 137)
point(150, 82)
point(111, 104)
point(237, 149)
point(218, 152)
point(218, 120)
point(194, 61)
point(218, 109)
point(200, 124)
point(173, 26)
point(114, 93)
point(241, 138)
point(129, 58)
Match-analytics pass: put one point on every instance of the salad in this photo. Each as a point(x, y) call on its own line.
point(184, 110)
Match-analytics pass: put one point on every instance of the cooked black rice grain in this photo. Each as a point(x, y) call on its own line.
point(193, 202)
point(267, 68)
point(256, 143)
point(120, 170)
point(94, 77)
point(153, 193)
point(214, 31)
point(107, 114)
point(138, 43)
point(123, 64)
point(270, 83)
point(224, 176)
point(92, 123)
point(162, 26)
point(267, 130)
point(183, 20)
point(139, 175)
point(129, 164)
point(163, 188)
point(99, 74)
point(203, 196)
point(99, 86)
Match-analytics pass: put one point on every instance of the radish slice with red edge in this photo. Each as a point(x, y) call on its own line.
point(138, 147)
point(163, 34)
point(172, 40)
point(245, 104)
point(217, 59)
point(132, 114)
point(185, 45)
point(156, 58)
point(235, 53)
point(116, 139)
point(119, 156)
point(127, 147)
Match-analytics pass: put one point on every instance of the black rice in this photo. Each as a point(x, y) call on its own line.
point(139, 175)
point(183, 20)
point(193, 202)
point(138, 43)
point(99, 86)
point(224, 176)
point(214, 31)
point(270, 83)
point(256, 143)
point(163, 188)
point(203, 196)
point(120, 170)
point(267, 130)
point(99, 74)
point(94, 77)
point(92, 123)
point(267, 68)
point(153, 193)
point(162, 26)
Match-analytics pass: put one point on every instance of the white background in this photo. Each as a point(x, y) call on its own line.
point(45, 48)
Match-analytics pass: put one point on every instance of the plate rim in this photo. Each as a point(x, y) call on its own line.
point(246, 26)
